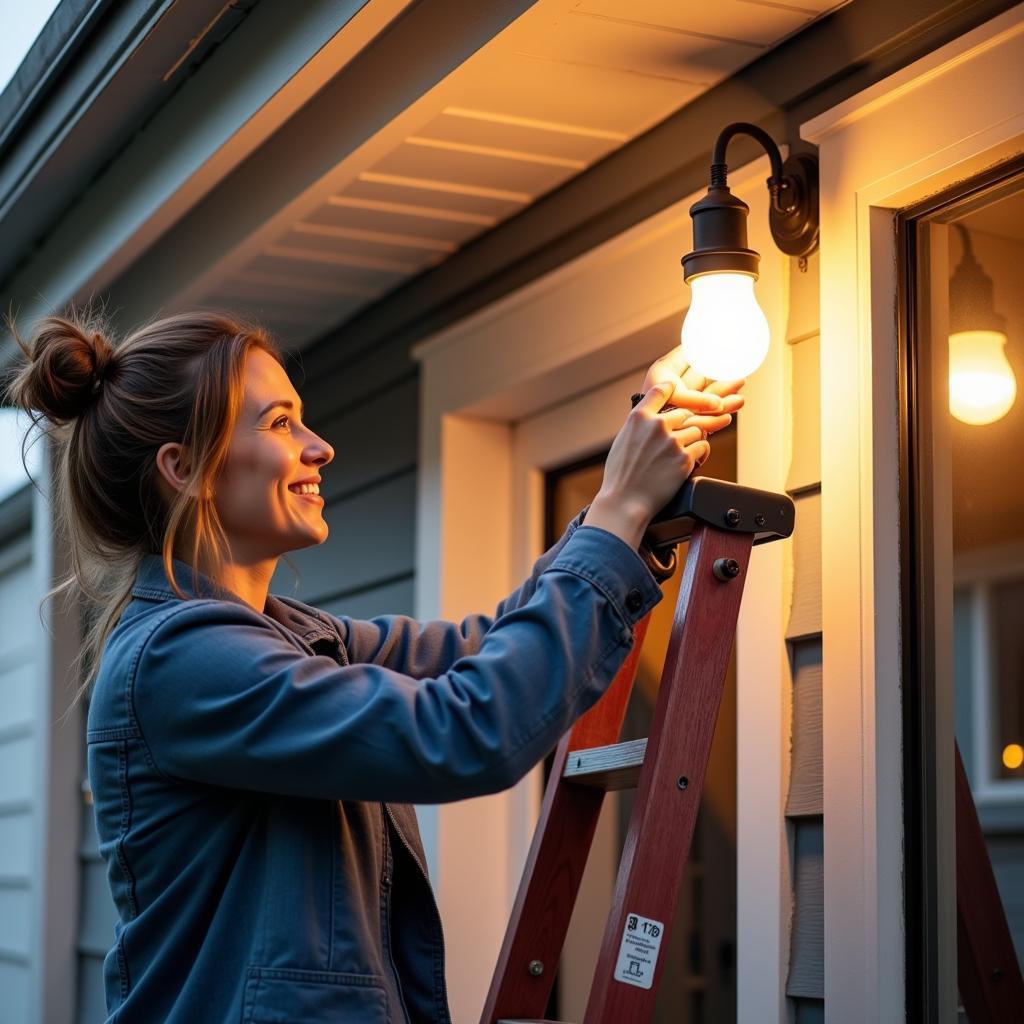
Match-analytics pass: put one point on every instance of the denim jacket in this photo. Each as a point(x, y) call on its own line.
point(253, 776)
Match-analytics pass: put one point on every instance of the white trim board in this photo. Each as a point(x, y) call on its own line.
point(938, 121)
point(580, 327)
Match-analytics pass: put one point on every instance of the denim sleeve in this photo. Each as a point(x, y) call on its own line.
point(427, 648)
point(221, 697)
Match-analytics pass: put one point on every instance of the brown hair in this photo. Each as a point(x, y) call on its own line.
point(107, 408)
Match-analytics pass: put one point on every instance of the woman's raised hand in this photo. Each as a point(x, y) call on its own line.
point(662, 441)
point(651, 456)
point(689, 388)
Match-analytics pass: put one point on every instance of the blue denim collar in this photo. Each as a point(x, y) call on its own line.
point(151, 582)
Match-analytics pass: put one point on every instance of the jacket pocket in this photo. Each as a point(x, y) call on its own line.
point(276, 995)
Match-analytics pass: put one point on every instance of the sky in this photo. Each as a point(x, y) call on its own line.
point(12, 475)
point(22, 21)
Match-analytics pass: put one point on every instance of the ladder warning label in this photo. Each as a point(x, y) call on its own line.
point(638, 952)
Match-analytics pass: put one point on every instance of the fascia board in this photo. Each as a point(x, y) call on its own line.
point(63, 122)
point(264, 71)
point(71, 24)
point(159, 242)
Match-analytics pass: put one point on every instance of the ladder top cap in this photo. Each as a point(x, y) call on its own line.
point(726, 506)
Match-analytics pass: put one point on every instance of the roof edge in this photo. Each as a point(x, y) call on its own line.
point(66, 30)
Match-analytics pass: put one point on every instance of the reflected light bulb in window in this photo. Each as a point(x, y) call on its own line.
point(982, 387)
point(725, 334)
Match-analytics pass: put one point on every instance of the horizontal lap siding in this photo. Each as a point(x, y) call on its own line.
point(97, 917)
point(18, 804)
point(367, 408)
point(805, 782)
point(370, 542)
point(805, 984)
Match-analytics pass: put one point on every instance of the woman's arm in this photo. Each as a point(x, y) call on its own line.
point(223, 698)
point(652, 454)
point(428, 648)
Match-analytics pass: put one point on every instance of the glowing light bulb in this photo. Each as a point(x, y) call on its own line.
point(982, 387)
point(1013, 756)
point(725, 334)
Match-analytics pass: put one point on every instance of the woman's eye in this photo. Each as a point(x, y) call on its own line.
point(280, 420)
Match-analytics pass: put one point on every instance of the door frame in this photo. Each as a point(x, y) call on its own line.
point(888, 148)
point(575, 329)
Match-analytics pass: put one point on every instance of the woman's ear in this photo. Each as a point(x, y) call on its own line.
point(173, 467)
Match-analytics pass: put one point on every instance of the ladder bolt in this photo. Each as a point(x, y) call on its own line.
point(536, 968)
point(682, 782)
point(726, 568)
point(732, 516)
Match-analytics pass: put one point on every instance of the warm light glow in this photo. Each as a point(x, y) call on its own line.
point(1013, 755)
point(982, 387)
point(725, 333)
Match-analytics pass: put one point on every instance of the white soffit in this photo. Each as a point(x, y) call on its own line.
point(559, 89)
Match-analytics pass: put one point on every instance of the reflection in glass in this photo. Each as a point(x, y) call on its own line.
point(982, 386)
point(986, 434)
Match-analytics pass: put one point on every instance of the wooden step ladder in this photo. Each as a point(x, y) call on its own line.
point(722, 521)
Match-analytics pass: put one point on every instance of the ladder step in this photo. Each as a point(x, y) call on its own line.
point(616, 766)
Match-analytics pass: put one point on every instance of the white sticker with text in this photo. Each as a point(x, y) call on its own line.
point(638, 953)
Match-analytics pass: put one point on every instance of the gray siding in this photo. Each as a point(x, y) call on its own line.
point(19, 859)
point(807, 969)
point(805, 780)
point(805, 984)
point(367, 408)
point(96, 919)
point(809, 1011)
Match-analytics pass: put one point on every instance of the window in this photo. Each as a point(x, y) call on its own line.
point(962, 366)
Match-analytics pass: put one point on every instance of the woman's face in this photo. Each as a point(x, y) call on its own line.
point(271, 455)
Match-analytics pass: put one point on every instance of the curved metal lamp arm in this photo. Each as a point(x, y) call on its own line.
point(719, 168)
point(793, 187)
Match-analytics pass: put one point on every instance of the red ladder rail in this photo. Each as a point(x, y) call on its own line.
point(525, 973)
point(657, 845)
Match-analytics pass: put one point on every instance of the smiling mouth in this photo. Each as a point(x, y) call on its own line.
point(305, 489)
point(313, 497)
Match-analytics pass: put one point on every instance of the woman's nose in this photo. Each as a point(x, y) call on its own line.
point(319, 452)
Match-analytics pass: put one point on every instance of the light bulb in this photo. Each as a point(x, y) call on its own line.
point(725, 333)
point(982, 387)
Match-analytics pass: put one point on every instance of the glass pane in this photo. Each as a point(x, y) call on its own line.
point(699, 983)
point(985, 260)
point(971, 346)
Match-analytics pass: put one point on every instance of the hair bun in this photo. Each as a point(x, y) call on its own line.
point(69, 359)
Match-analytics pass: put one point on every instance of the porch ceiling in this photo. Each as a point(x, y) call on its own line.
point(560, 88)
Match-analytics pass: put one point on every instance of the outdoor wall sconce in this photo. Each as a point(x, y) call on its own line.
point(982, 387)
point(725, 333)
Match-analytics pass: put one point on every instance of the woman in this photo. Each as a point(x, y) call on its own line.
point(252, 759)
